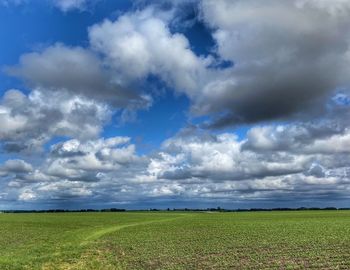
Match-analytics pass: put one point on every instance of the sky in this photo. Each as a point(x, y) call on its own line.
point(155, 104)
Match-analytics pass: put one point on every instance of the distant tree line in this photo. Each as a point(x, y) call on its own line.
point(217, 209)
point(64, 210)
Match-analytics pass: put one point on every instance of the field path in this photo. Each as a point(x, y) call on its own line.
point(101, 232)
point(88, 240)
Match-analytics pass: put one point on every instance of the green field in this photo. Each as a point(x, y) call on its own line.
point(176, 240)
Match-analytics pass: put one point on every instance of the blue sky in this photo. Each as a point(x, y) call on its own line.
point(174, 104)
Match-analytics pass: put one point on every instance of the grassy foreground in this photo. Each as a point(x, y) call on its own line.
point(170, 240)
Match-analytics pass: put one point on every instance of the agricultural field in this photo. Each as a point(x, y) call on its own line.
point(176, 240)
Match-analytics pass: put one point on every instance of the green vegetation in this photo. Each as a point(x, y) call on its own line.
point(176, 240)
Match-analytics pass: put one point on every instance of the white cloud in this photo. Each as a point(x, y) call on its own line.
point(190, 166)
point(30, 121)
point(27, 195)
point(339, 143)
point(15, 166)
point(77, 71)
point(84, 161)
point(140, 44)
point(221, 158)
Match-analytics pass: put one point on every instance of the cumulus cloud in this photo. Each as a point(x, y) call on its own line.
point(15, 166)
point(221, 158)
point(77, 71)
point(29, 121)
point(269, 165)
point(288, 58)
point(222, 167)
point(86, 161)
point(325, 134)
point(140, 44)
point(74, 169)
point(72, 90)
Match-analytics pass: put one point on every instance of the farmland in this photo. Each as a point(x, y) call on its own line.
point(176, 240)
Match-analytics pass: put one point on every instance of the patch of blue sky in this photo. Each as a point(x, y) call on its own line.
point(151, 127)
point(341, 98)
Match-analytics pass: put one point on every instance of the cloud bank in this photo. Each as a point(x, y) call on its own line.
point(291, 164)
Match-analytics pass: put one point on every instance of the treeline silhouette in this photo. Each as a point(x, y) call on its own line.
point(217, 209)
point(64, 210)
